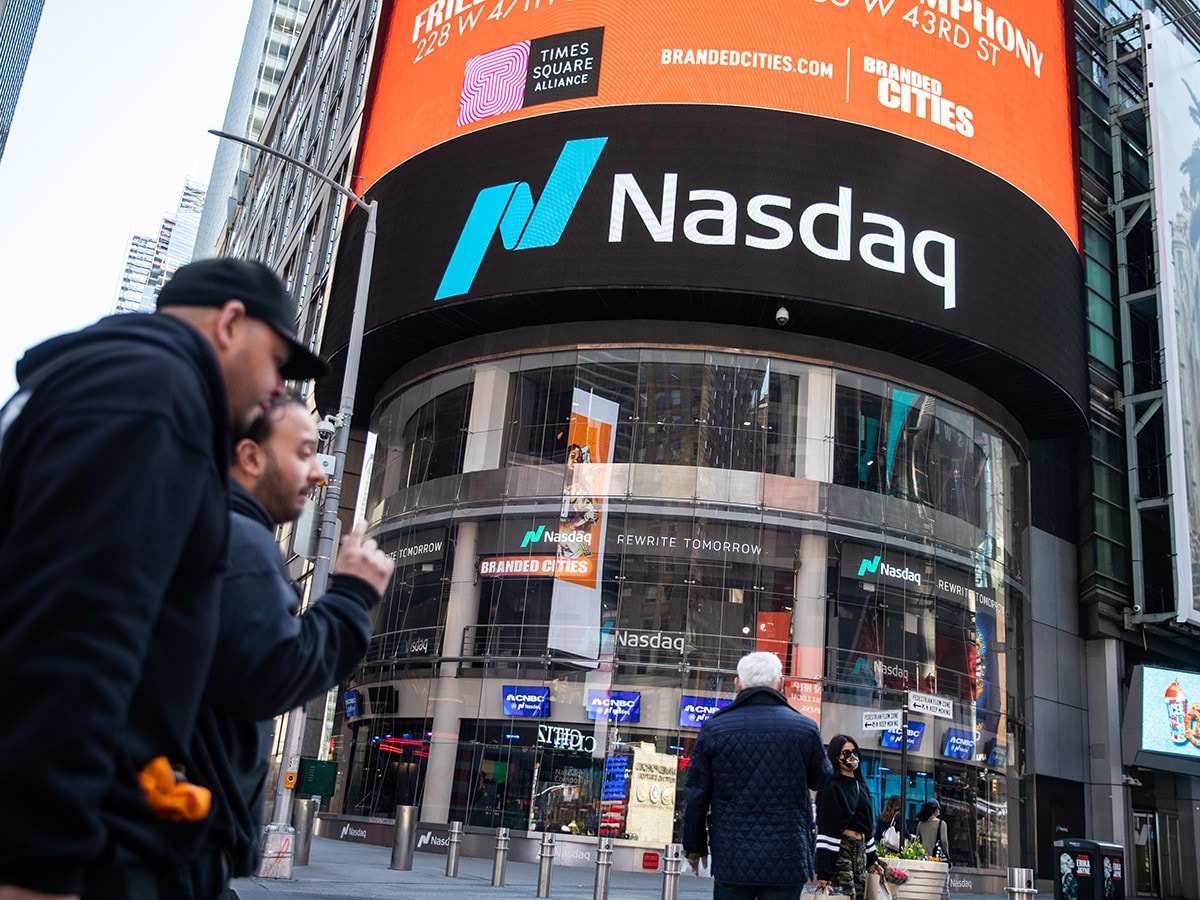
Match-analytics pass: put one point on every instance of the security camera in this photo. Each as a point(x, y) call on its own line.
point(1137, 610)
point(781, 316)
point(326, 427)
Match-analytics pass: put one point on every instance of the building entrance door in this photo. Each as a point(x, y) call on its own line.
point(1157, 859)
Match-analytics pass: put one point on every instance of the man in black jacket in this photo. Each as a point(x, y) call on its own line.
point(752, 767)
point(268, 660)
point(113, 526)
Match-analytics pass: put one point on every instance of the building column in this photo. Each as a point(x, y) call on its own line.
point(445, 706)
point(1107, 795)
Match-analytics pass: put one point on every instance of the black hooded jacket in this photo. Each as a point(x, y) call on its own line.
point(113, 527)
point(268, 660)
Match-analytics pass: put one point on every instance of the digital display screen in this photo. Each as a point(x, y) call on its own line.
point(614, 706)
point(890, 739)
point(533, 702)
point(959, 744)
point(695, 711)
point(1171, 712)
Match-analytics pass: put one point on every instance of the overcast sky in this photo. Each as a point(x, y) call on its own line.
point(112, 119)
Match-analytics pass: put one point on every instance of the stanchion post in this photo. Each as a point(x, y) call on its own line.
point(501, 857)
point(1020, 884)
point(453, 849)
point(545, 864)
point(403, 838)
point(603, 865)
point(672, 869)
point(303, 810)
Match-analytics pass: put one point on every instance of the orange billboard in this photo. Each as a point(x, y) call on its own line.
point(987, 82)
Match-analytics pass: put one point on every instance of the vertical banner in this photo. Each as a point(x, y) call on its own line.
point(575, 602)
point(1176, 158)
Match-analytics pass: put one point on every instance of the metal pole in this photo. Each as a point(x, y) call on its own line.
point(1020, 884)
point(672, 869)
point(545, 864)
point(904, 772)
point(320, 576)
point(302, 821)
point(501, 857)
point(403, 838)
point(603, 865)
point(453, 850)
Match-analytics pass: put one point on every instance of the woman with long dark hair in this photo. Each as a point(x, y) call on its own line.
point(845, 824)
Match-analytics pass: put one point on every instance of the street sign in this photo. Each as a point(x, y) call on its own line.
point(931, 705)
point(881, 719)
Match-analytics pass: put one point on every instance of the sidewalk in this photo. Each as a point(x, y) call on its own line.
point(353, 871)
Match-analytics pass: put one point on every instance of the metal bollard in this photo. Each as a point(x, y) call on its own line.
point(603, 865)
point(303, 810)
point(403, 838)
point(501, 857)
point(1020, 884)
point(545, 863)
point(672, 868)
point(453, 849)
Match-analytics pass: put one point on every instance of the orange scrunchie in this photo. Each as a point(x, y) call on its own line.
point(174, 801)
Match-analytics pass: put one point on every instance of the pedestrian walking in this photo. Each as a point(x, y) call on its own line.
point(114, 456)
point(845, 824)
point(268, 659)
point(746, 797)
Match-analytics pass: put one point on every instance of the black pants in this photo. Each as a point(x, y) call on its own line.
point(129, 878)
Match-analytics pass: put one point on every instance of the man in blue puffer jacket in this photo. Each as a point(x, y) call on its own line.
point(753, 766)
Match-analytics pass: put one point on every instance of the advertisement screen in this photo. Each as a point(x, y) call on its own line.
point(985, 81)
point(890, 739)
point(1171, 712)
point(614, 706)
point(525, 701)
point(1176, 141)
point(695, 711)
point(959, 744)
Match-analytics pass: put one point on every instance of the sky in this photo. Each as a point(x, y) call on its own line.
point(113, 117)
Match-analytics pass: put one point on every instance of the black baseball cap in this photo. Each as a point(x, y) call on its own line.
point(214, 282)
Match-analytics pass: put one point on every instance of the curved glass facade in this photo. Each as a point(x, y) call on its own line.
point(588, 540)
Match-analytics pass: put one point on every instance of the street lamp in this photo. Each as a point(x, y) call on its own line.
point(341, 440)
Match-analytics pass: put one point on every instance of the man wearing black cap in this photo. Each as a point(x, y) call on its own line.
point(114, 505)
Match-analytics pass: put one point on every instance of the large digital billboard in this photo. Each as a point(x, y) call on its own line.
point(1161, 728)
point(986, 81)
point(1175, 86)
point(899, 174)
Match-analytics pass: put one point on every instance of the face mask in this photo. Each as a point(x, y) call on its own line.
point(849, 759)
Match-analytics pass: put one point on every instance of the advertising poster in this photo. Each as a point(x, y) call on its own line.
point(988, 82)
point(575, 603)
point(1175, 78)
point(1171, 712)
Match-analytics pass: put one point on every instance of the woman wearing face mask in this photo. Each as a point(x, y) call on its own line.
point(845, 824)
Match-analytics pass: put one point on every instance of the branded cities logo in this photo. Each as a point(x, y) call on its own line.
point(557, 67)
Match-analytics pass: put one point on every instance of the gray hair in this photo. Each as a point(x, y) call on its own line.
point(760, 669)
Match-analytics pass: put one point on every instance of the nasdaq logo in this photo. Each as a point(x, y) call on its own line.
point(868, 565)
point(522, 223)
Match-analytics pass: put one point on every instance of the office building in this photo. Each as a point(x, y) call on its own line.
point(18, 26)
point(852, 332)
point(271, 30)
point(152, 259)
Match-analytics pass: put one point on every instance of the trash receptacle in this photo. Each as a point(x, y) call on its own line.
point(1088, 870)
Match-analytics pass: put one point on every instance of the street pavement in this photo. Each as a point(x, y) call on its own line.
point(352, 871)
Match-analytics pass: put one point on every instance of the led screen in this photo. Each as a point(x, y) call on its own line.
point(959, 744)
point(526, 701)
point(1171, 712)
point(614, 706)
point(695, 711)
point(890, 739)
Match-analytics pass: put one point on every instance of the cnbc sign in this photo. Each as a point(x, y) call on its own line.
point(863, 563)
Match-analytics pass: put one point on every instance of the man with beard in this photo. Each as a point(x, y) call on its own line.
point(113, 530)
point(268, 660)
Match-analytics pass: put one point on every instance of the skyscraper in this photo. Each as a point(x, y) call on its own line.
point(18, 27)
point(152, 260)
point(270, 33)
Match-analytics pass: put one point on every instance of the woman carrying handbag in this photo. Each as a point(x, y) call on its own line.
point(846, 825)
point(931, 832)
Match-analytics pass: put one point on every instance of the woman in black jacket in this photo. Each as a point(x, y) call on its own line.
point(845, 824)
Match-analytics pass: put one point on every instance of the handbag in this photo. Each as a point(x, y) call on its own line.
point(891, 836)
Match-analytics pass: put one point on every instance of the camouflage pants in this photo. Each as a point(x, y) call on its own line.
point(850, 869)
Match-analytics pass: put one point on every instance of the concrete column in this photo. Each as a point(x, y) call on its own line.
point(485, 429)
point(814, 443)
point(444, 706)
point(1107, 795)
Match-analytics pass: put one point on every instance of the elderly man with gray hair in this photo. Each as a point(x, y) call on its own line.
point(753, 766)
